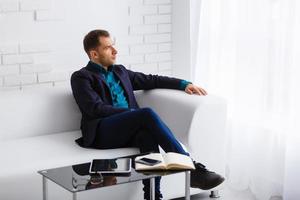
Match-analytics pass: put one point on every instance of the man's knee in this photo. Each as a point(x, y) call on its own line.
point(149, 112)
point(146, 141)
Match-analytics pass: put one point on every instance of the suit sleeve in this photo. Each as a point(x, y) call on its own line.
point(142, 81)
point(88, 99)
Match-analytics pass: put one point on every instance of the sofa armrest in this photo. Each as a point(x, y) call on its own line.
point(197, 121)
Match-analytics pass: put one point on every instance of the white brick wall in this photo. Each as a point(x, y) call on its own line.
point(31, 5)
point(53, 77)
point(8, 49)
point(9, 6)
point(158, 38)
point(131, 59)
point(147, 2)
point(123, 50)
point(34, 48)
point(16, 59)
point(156, 19)
point(143, 29)
point(165, 47)
point(157, 57)
point(164, 28)
point(143, 10)
point(134, 20)
point(16, 80)
point(35, 68)
point(46, 15)
point(146, 48)
point(149, 68)
point(165, 66)
point(164, 9)
point(135, 2)
point(130, 39)
point(41, 44)
point(9, 70)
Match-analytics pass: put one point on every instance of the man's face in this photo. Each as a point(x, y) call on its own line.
point(105, 53)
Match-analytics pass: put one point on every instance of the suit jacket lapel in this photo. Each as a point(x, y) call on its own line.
point(97, 73)
point(116, 72)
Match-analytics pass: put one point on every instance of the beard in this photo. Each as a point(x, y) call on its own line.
point(106, 62)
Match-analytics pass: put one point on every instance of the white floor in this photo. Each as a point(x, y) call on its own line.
point(226, 194)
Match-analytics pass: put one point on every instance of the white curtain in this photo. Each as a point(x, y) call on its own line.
point(248, 51)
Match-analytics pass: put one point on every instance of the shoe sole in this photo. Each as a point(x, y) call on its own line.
point(219, 182)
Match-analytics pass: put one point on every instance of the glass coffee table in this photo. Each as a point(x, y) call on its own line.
point(76, 178)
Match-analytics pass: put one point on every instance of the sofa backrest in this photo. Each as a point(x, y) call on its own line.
point(37, 111)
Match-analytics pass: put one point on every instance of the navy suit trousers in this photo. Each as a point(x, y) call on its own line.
point(140, 128)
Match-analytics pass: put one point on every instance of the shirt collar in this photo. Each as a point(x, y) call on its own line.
point(100, 68)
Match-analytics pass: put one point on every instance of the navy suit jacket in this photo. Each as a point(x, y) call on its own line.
point(93, 97)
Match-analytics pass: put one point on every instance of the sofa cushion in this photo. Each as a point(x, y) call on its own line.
point(28, 155)
point(37, 111)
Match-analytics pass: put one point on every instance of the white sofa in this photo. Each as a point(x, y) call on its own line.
point(38, 128)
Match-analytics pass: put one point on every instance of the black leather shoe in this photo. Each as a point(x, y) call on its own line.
point(204, 179)
point(158, 196)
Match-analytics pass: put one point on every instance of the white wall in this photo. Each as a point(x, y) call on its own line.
point(181, 39)
point(292, 166)
point(41, 40)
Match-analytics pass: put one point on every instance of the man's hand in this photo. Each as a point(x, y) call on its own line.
point(193, 89)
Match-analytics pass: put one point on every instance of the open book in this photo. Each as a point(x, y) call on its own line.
point(169, 161)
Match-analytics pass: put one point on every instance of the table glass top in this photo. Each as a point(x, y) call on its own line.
point(76, 178)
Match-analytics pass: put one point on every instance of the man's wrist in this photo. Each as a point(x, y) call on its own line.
point(184, 84)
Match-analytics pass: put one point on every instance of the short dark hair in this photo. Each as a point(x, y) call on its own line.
point(91, 40)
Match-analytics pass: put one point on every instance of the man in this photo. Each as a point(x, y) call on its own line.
point(111, 117)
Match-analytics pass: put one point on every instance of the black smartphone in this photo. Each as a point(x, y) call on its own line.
point(148, 161)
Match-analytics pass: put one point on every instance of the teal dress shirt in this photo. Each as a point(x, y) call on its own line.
point(117, 92)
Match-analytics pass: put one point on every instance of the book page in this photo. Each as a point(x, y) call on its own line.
point(155, 156)
point(178, 161)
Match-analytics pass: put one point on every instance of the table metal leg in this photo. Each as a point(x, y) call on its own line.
point(74, 195)
point(152, 188)
point(45, 188)
point(214, 194)
point(187, 185)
